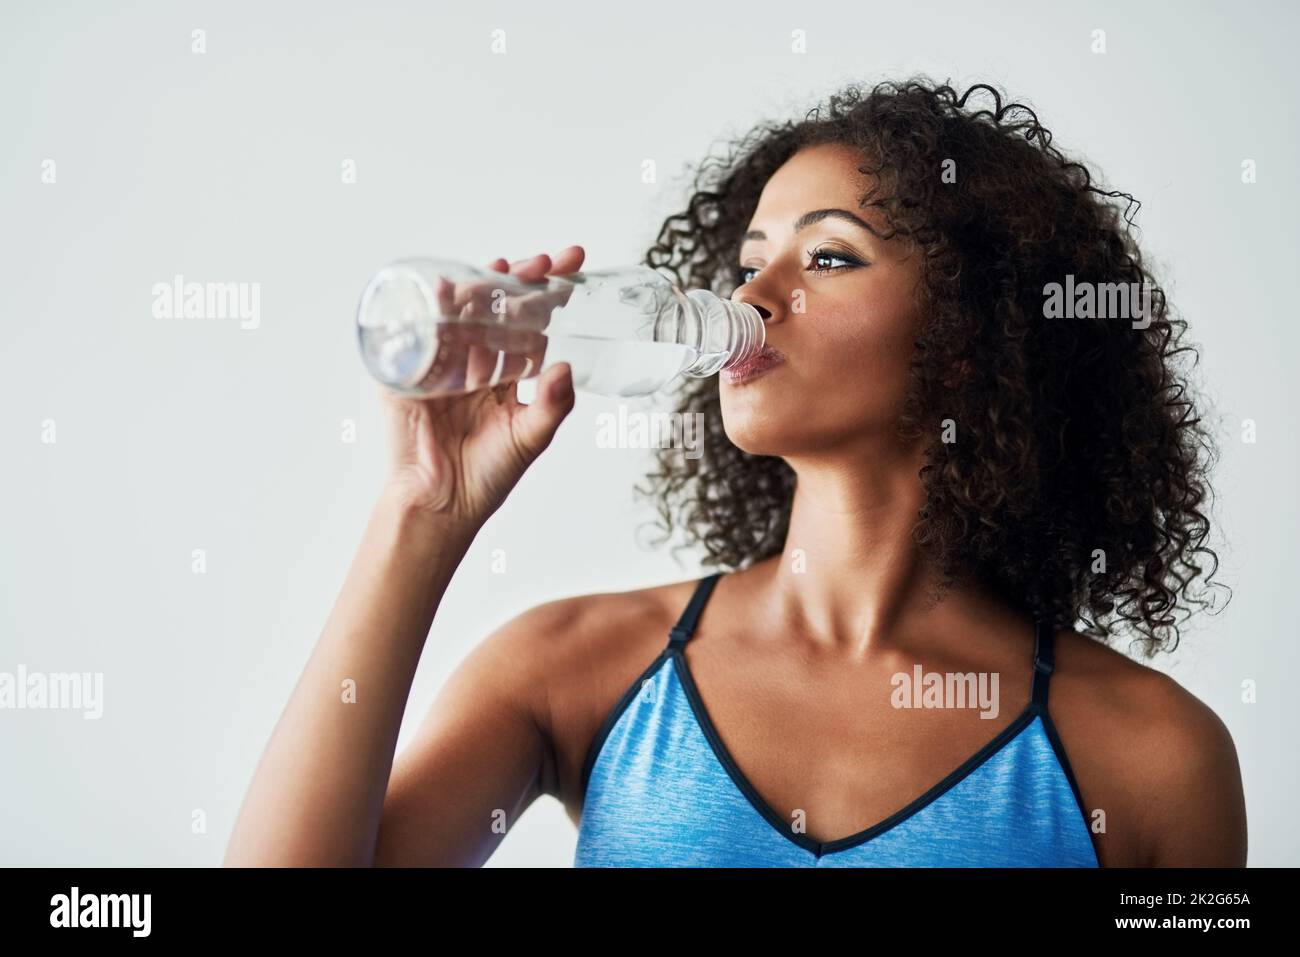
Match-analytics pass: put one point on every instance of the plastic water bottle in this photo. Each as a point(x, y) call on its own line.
point(429, 327)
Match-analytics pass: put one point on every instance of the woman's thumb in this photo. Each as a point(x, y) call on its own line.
point(535, 426)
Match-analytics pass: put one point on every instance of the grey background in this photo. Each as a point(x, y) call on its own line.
point(181, 434)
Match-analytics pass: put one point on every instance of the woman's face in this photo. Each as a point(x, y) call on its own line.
point(846, 332)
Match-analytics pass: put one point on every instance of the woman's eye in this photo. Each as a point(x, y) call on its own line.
point(818, 255)
point(815, 256)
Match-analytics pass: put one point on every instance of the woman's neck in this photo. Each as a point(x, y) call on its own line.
point(851, 576)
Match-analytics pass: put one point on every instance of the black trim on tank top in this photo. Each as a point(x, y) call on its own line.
point(611, 719)
point(683, 631)
point(1044, 665)
point(685, 627)
point(680, 632)
point(1063, 760)
point(1044, 662)
point(822, 848)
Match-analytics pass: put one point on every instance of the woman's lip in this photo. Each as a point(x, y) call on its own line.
point(767, 358)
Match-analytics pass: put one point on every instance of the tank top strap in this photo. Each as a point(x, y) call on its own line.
point(1044, 659)
point(685, 627)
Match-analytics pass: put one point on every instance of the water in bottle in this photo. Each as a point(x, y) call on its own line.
point(429, 327)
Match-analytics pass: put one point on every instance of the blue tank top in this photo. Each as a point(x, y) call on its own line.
point(661, 790)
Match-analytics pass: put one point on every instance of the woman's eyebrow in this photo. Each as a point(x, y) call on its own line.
point(815, 216)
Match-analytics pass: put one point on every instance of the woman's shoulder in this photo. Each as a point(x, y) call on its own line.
point(1126, 692)
point(568, 632)
point(585, 651)
point(1156, 766)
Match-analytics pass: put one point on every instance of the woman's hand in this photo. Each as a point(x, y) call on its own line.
point(457, 457)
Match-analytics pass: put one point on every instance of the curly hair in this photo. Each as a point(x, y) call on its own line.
point(1078, 487)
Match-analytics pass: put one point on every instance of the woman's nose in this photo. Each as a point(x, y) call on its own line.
point(745, 295)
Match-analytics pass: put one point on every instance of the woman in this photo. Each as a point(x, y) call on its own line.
point(929, 479)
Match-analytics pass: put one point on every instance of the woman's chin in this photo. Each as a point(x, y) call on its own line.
point(752, 435)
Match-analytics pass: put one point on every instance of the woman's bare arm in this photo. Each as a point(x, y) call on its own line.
point(317, 795)
point(483, 753)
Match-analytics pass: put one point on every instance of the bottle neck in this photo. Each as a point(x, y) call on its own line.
point(732, 332)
